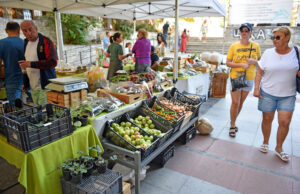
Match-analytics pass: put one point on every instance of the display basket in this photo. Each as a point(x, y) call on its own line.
point(163, 157)
point(109, 182)
point(149, 103)
point(117, 139)
point(34, 127)
point(6, 107)
point(188, 135)
point(168, 130)
point(196, 103)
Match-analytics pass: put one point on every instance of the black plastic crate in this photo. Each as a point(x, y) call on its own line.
point(6, 107)
point(109, 182)
point(168, 130)
point(117, 139)
point(196, 103)
point(188, 135)
point(25, 129)
point(147, 106)
point(164, 156)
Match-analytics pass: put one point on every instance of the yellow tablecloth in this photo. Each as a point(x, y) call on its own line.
point(39, 173)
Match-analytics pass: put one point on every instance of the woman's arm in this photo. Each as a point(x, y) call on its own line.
point(258, 77)
point(231, 64)
point(121, 57)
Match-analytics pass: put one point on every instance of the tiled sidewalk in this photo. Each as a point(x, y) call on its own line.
point(220, 164)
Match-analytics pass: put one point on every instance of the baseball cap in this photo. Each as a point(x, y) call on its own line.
point(249, 26)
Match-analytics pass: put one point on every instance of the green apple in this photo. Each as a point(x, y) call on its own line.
point(128, 124)
point(123, 124)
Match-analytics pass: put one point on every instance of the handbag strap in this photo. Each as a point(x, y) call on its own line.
point(297, 53)
point(250, 51)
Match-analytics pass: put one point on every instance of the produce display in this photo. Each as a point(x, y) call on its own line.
point(166, 113)
point(137, 78)
point(147, 124)
point(131, 134)
point(180, 107)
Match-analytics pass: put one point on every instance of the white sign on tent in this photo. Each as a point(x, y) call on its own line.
point(260, 11)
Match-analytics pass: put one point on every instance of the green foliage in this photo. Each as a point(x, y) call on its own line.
point(147, 27)
point(125, 27)
point(75, 27)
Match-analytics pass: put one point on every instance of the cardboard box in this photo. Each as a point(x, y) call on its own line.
point(126, 188)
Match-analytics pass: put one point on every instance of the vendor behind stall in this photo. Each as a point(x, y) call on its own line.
point(154, 59)
point(141, 49)
point(115, 52)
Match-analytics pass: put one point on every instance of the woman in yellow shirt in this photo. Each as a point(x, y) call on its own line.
point(236, 60)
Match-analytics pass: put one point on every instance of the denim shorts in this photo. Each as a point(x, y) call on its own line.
point(250, 84)
point(268, 103)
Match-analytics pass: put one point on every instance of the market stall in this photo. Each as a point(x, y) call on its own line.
point(39, 172)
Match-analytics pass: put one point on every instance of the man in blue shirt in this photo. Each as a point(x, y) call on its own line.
point(154, 59)
point(12, 51)
point(106, 41)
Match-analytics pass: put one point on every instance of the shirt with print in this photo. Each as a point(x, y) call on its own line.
point(12, 51)
point(238, 53)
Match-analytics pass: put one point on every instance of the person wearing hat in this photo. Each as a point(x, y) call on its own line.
point(154, 59)
point(237, 56)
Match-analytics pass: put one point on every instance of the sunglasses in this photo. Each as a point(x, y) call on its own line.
point(275, 37)
point(245, 31)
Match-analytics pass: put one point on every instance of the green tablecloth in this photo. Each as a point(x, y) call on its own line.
point(39, 173)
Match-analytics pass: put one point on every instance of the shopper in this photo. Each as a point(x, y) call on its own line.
point(12, 51)
point(236, 60)
point(40, 62)
point(128, 47)
point(154, 59)
point(161, 41)
point(166, 30)
point(184, 38)
point(106, 40)
point(275, 86)
point(204, 29)
point(115, 52)
point(141, 49)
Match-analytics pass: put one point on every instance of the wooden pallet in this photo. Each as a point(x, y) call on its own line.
point(127, 98)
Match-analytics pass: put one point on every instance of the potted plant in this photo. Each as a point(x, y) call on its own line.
point(111, 161)
point(66, 166)
point(84, 119)
point(100, 164)
point(76, 172)
point(95, 151)
point(88, 163)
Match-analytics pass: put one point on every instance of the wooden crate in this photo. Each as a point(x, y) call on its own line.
point(83, 94)
point(127, 98)
point(221, 75)
point(219, 87)
point(74, 99)
point(202, 69)
point(62, 99)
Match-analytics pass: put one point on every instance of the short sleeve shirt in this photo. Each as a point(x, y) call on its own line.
point(238, 53)
point(12, 51)
point(115, 50)
point(154, 58)
point(105, 42)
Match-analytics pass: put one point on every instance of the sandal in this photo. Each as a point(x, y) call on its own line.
point(283, 156)
point(264, 148)
point(232, 131)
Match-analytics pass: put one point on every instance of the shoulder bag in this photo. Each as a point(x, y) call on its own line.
point(297, 77)
point(241, 80)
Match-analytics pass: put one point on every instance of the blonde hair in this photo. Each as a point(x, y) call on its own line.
point(286, 30)
point(143, 32)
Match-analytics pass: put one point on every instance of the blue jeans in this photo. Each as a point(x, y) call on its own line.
point(13, 92)
point(268, 103)
point(141, 68)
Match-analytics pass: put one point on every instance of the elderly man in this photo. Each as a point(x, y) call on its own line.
point(11, 51)
point(40, 61)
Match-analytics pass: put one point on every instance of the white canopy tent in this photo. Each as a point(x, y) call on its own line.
point(58, 6)
point(157, 9)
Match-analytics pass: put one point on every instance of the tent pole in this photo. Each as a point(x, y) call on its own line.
point(175, 68)
point(59, 36)
point(223, 47)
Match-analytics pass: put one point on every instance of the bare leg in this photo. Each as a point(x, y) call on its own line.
point(244, 95)
point(266, 126)
point(284, 120)
point(235, 104)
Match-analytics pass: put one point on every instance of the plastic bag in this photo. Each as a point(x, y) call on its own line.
point(239, 82)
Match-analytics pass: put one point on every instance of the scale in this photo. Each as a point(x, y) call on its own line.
point(67, 84)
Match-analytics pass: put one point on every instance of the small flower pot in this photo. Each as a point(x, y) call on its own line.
point(66, 174)
point(101, 168)
point(76, 178)
point(89, 167)
point(110, 164)
point(84, 120)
